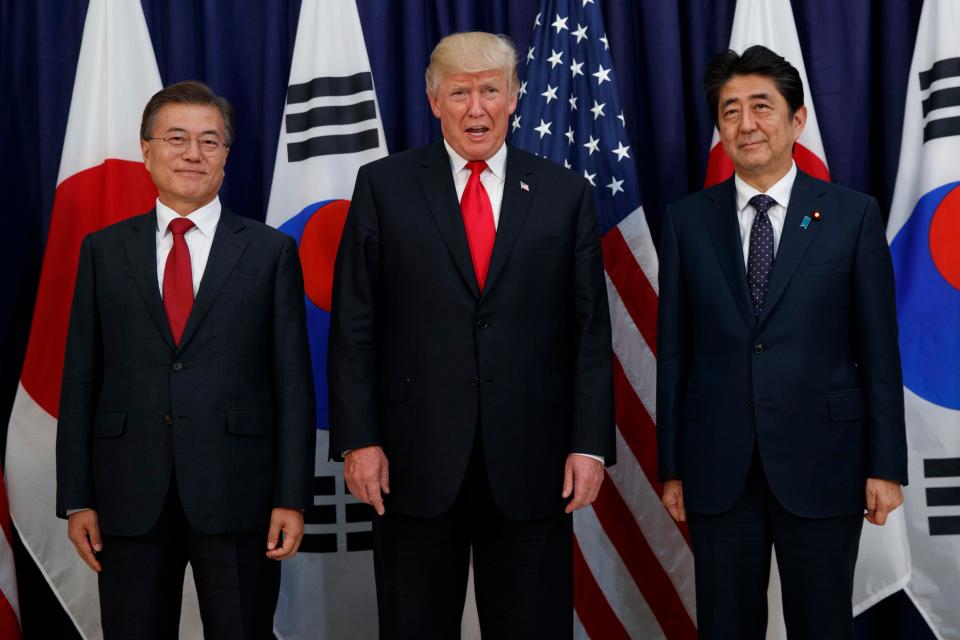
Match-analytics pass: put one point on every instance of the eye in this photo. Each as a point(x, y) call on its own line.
point(178, 140)
point(730, 113)
point(210, 144)
point(491, 90)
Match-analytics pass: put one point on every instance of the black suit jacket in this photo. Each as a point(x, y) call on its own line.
point(230, 411)
point(420, 357)
point(814, 382)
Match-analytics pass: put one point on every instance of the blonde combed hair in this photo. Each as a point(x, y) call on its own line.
point(472, 52)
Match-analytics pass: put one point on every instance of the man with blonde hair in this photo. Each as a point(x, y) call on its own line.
point(470, 372)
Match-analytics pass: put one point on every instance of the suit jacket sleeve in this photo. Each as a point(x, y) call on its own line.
point(593, 423)
point(82, 377)
point(353, 352)
point(672, 351)
point(876, 342)
point(293, 386)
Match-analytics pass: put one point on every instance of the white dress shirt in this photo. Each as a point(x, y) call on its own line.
point(780, 192)
point(492, 179)
point(199, 238)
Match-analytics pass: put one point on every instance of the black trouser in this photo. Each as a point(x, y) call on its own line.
point(816, 558)
point(141, 583)
point(523, 574)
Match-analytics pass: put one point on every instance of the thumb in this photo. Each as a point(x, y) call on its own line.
point(385, 477)
point(94, 532)
point(567, 481)
point(273, 534)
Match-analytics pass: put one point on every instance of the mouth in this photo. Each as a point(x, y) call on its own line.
point(477, 132)
point(190, 172)
point(752, 145)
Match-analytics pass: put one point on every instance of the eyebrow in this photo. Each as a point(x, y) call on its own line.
point(202, 133)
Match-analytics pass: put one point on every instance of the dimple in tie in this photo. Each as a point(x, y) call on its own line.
point(178, 280)
point(478, 221)
point(760, 254)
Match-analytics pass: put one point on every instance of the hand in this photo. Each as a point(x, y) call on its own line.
point(883, 496)
point(582, 477)
point(290, 522)
point(83, 529)
point(367, 474)
point(673, 499)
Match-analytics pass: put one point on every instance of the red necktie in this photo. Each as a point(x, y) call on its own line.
point(478, 221)
point(178, 280)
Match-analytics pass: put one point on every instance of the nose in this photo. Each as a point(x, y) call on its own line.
point(475, 107)
point(192, 152)
point(747, 121)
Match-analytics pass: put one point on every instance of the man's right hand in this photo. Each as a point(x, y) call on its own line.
point(83, 529)
point(673, 499)
point(367, 475)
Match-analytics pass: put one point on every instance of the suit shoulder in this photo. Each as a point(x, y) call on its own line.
point(395, 162)
point(698, 200)
point(144, 221)
point(547, 170)
point(260, 232)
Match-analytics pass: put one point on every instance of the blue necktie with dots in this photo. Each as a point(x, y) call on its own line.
point(760, 255)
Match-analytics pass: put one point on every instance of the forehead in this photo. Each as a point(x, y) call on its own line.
point(190, 117)
point(742, 87)
point(487, 76)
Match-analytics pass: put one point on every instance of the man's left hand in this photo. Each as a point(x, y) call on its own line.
point(883, 496)
point(582, 477)
point(290, 522)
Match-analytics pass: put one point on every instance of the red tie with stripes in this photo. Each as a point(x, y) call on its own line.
point(178, 280)
point(478, 221)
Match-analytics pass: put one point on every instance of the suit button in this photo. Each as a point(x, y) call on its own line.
point(177, 366)
point(758, 348)
point(483, 324)
point(167, 419)
point(750, 401)
point(474, 381)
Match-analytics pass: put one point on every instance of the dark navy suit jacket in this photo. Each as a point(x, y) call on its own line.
point(229, 412)
point(814, 383)
point(420, 358)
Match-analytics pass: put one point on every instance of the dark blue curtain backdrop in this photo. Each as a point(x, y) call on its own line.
point(857, 55)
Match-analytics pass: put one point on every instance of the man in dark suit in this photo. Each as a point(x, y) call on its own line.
point(779, 404)
point(470, 350)
point(186, 427)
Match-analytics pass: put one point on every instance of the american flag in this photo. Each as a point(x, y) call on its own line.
point(633, 567)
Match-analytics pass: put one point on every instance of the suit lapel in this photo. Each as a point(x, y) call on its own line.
point(513, 213)
point(794, 240)
point(140, 244)
point(229, 242)
point(724, 230)
point(436, 181)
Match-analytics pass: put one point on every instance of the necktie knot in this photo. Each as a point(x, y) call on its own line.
point(476, 166)
point(762, 203)
point(180, 226)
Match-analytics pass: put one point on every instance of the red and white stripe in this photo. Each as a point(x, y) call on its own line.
point(9, 604)
point(633, 568)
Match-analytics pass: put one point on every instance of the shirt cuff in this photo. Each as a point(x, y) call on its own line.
point(590, 455)
point(70, 512)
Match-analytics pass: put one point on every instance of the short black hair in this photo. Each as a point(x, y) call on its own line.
point(755, 60)
point(187, 92)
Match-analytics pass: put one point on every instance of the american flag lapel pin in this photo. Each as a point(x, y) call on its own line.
point(524, 186)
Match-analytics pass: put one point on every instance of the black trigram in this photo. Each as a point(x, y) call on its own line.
point(943, 496)
point(940, 127)
point(322, 116)
point(326, 514)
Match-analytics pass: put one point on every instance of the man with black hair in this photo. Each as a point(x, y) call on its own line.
point(779, 395)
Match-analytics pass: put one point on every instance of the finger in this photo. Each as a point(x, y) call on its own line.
point(357, 489)
point(681, 509)
point(291, 542)
point(93, 532)
point(384, 478)
point(85, 550)
point(373, 490)
point(880, 516)
point(567, 481)
point(273, 533)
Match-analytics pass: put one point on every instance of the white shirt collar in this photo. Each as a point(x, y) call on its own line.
point(497, 164)
point(780, 191)
point(205, 218)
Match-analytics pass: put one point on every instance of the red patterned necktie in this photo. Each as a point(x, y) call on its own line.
point(178, 280)
point(478, 221)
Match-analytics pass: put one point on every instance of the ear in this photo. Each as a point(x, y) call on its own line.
point(799, 122)
point(434, 104)
point(513, 103)
point(145, 152)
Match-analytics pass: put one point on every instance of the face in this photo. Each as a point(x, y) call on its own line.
point(188, 179)
point(474, 110)
point(756, 128)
